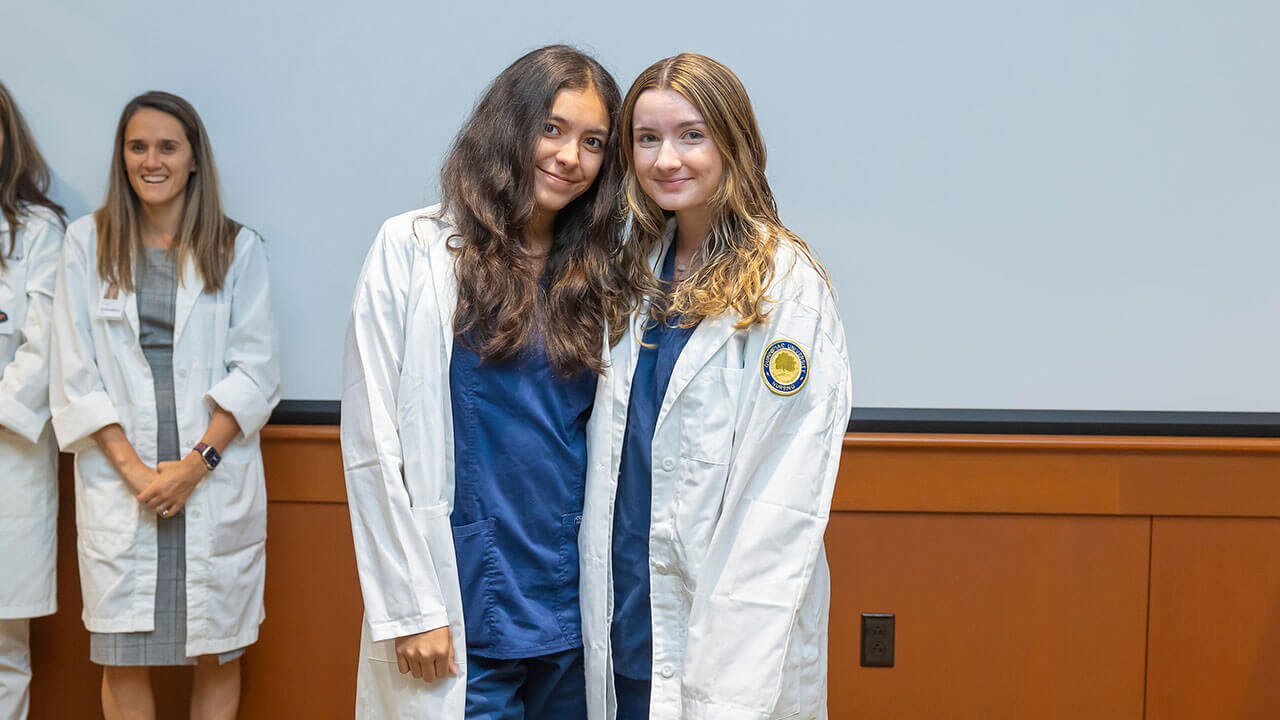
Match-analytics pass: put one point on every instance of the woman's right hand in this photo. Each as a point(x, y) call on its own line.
point(115, 445)
point(427, 655)
point(138, 475)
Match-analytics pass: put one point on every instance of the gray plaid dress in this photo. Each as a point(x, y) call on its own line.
point(166, 645)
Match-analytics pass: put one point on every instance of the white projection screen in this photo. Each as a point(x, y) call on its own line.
point(1057, 205)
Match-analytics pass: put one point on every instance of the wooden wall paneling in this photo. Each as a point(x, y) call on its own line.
point(304, 663)
point(1017, 567)
point(1214, 646)
point(1060, 474)
point(996, 616)
point(303, 464)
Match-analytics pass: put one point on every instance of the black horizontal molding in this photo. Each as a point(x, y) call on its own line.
point(306, 412)
point(949, 420)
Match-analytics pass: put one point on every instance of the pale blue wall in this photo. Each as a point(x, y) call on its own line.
point(1024, 205)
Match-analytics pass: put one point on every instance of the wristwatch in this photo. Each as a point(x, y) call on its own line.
point(209, 454)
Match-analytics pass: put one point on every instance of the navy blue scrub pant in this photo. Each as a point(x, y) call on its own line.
point(548, 687)
point(633, 698)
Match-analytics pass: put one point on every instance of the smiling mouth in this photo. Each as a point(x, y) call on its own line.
point(556, 179)
point(673, 184)
point(154, 179)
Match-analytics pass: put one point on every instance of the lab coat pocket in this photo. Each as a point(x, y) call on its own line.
point(104, 501)
point(708, 408)
point(23, 493)
point(477, 557)
point(239, 506)
point(383, 651)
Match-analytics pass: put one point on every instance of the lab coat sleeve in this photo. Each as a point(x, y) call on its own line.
point(768, 540)
point(78, 400)
point(402, 594)
point(251, 387)
point(24, 386)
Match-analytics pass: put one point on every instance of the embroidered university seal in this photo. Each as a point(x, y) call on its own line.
point(784, 367)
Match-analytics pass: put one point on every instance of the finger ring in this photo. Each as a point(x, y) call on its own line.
point(164, 512)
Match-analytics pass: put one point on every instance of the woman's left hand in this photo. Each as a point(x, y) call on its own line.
point(168, 493)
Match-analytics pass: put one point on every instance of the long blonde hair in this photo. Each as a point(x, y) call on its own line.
point(206, 236)
point(736, 260)
point(24, 176)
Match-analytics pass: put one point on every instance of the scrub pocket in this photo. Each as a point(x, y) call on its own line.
point(477, 555)
point(568, 614)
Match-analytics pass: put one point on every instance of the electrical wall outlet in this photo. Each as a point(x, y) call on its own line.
point(877, 639)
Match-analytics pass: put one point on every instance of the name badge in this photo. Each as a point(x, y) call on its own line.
point(111, 305)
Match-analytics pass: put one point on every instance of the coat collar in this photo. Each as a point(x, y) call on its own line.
point(444, 282)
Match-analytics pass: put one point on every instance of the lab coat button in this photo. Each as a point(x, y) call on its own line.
point(182, 373)
point(668, 464)
point(668, 671)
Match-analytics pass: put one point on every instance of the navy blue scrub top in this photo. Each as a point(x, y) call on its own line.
point(632, 623)
point(520, 465)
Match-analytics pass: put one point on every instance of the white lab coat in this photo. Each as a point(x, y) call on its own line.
point(28, 454)
point(224, 353)
point(397, 451)
point(742, 484)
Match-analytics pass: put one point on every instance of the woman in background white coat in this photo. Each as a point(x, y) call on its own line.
point(30, 239)
point(165, 369)
point(705, 585)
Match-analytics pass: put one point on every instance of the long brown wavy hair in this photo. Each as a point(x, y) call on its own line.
point(487, 194)
point(206, 236)
point(24, 176)
point(735, 263)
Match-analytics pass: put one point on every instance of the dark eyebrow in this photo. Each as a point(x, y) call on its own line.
point(590, 131)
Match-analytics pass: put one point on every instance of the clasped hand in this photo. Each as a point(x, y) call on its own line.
point(166, 488)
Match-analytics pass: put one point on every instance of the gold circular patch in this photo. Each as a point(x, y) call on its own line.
point(784, 367)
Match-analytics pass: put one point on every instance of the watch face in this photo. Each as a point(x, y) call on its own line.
point(212, 457)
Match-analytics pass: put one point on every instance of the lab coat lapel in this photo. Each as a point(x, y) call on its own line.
point(189, 290)
point(707, 338)
point(130, 300)
point(446, 287)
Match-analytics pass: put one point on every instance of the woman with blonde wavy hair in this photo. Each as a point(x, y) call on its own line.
point(721, 421)
point(165, 368)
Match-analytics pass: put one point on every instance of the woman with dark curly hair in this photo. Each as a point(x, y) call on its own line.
point(472, 353)
point(31, 227)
